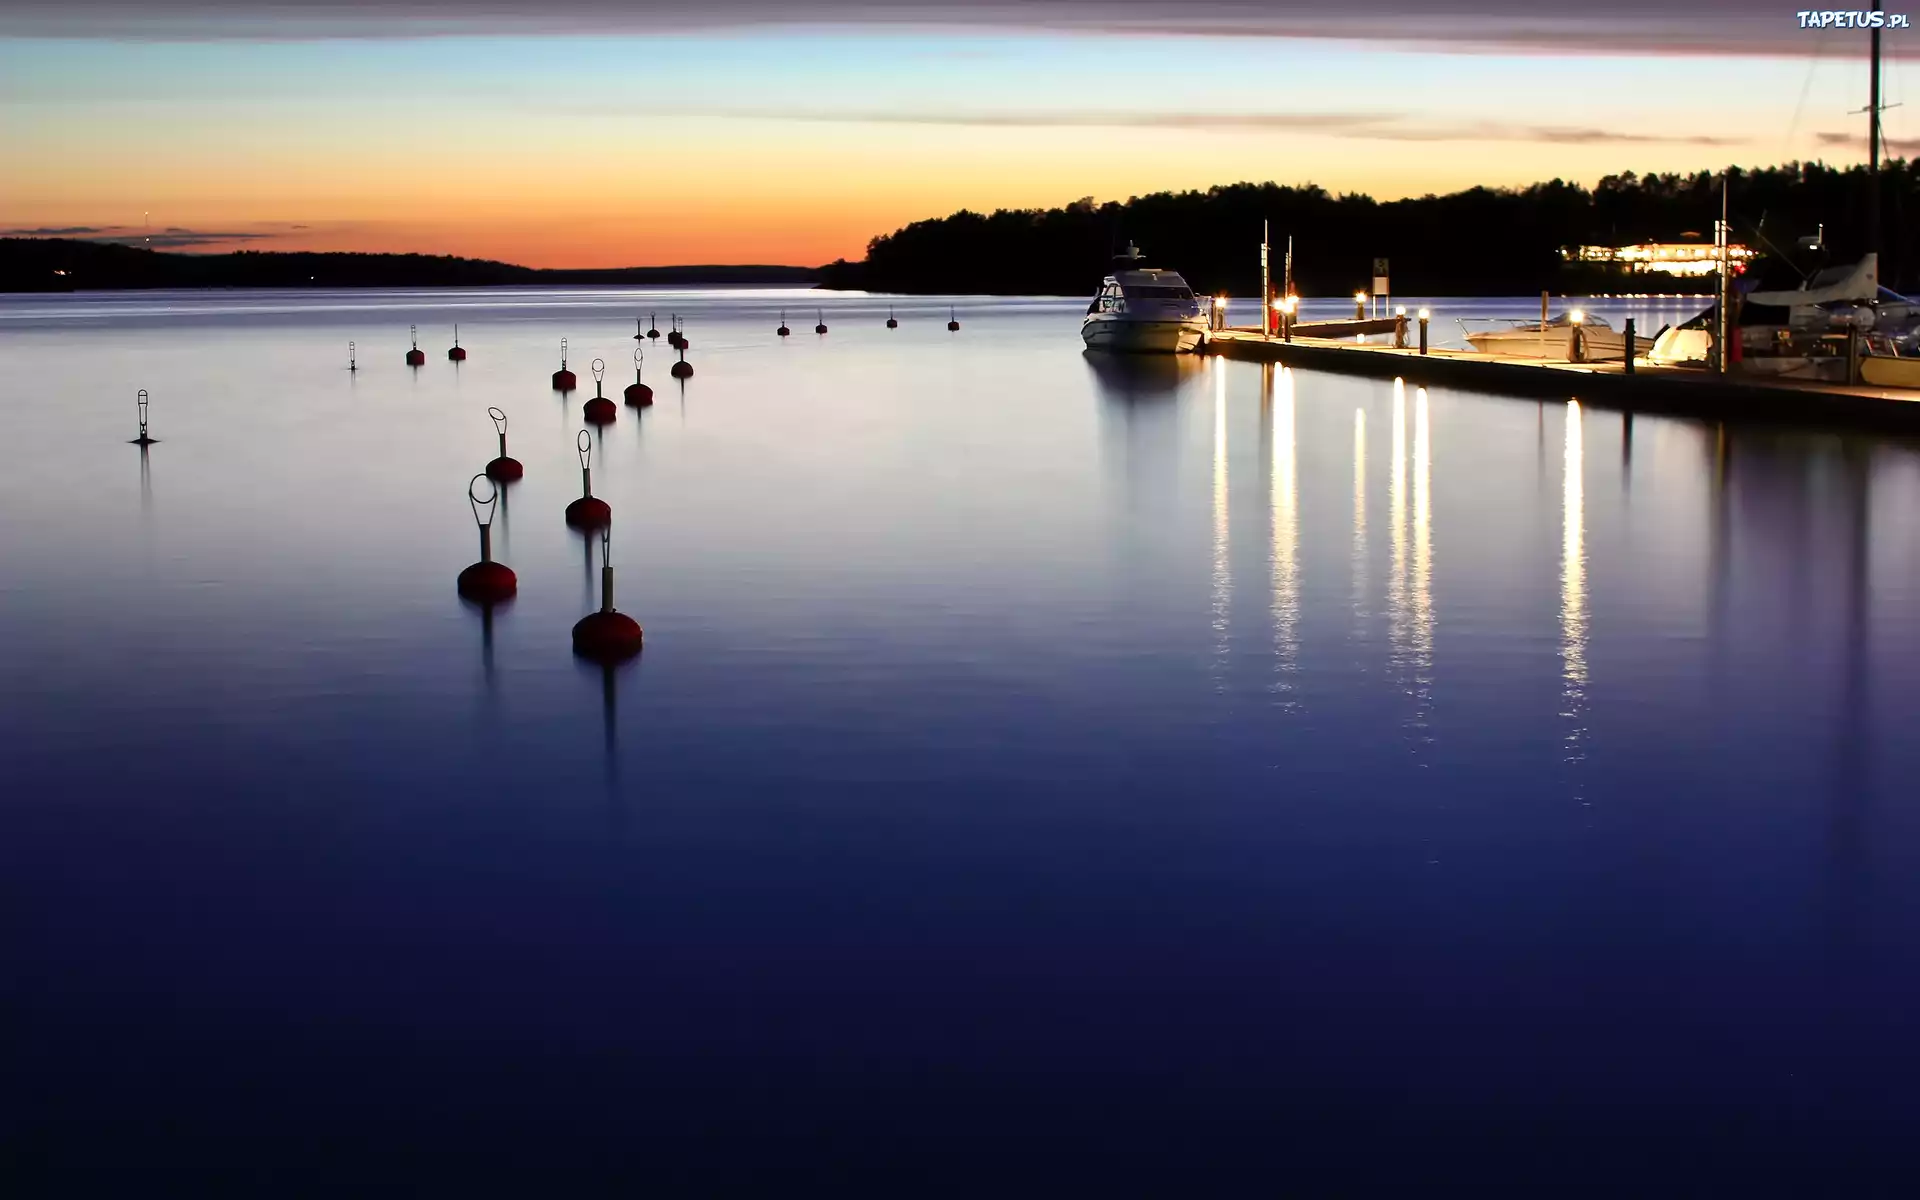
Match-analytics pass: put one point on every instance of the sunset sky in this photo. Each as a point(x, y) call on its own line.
point(598, 133)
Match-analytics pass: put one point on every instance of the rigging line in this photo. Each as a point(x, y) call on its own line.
point(1806, 86)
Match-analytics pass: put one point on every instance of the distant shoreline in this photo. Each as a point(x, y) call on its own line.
point(61, 265)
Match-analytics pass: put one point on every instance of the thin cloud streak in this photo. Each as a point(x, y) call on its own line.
point(171, 238)
point(1899, 147)
point(1392, 127)
point(1708, 27)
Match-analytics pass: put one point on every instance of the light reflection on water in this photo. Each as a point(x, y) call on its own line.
point(950, 791)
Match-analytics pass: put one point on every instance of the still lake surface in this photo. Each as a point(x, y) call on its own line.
point(1158, 773)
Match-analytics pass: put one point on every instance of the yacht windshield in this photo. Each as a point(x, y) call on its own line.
point(1158, 292)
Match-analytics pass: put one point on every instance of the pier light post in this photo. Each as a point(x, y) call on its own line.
point(1423, 330)
point(1286, 316)
point(1359, 306)
point(1576, 345)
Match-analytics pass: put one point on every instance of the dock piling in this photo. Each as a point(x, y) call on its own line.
point(1423, 330)
point(1629, 348)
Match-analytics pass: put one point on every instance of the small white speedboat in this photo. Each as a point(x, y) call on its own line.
point(1599, 341)
point(1144, 310)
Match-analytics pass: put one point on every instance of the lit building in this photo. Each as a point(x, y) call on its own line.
point(1675, 258)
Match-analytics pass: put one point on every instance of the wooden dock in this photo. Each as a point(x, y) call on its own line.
point(1678, 390)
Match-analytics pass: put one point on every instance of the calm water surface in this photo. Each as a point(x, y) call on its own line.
point(1159, 774)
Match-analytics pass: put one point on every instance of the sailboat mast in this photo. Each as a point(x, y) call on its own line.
point(1873, 141)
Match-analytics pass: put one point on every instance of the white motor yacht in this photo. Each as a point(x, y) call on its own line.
point(1552, 339)
point(1145, 310)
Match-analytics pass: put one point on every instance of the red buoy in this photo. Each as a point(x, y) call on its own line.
point(783, 331)
point(416, 357)
point(563, 380)
point(600, 410)
point(953, 324)
point(502, 469)
point(653, 328)
point(457, 354)
point(682, 369)
point(822, 326)
point(891, 323)
point(639, 395)
point(486, 582)
point(588, 512)
point(607, 636)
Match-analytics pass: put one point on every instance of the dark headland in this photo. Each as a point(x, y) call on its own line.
point(65, 265)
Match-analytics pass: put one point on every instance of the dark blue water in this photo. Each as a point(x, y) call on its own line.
point(1043, 773)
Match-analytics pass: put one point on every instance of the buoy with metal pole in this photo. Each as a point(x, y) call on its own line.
point(416, 357)
point(353, 363)
point(682, 369)
point(822, 326)
point(639, 395)
point(588, 512)
point(140, 405)
point(953, 320)
point(600, 410)
point(607, 636)
point(486, 582)
point(563, 379)
point(503, 469)
point(653, 328)
point(783, 331)
point(891, 323)
point(456, 354)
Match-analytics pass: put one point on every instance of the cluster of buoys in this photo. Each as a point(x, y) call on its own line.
point(416, 357)
point(606, 636)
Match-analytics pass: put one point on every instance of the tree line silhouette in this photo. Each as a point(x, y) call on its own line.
point(65, 264)
point(1482, 241)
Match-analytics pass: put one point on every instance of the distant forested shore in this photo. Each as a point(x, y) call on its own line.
point(1479, 242)
point(1483, 241)
point(65, 264)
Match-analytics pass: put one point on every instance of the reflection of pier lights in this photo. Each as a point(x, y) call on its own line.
point(1397, 523)
point(1222, 573)
point(1421, 599)
point(1573, 585)
point(1284, 511)
point(1359, 513)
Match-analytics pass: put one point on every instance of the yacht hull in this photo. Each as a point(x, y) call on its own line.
point(1144, 336)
